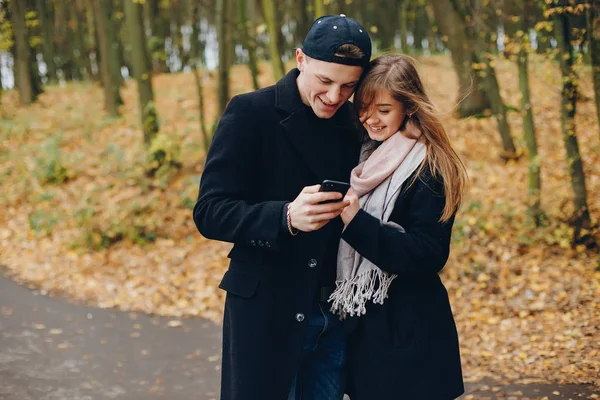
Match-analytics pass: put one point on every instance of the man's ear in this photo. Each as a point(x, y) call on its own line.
point(300, 59)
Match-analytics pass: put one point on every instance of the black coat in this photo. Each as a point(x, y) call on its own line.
point(267, 147)
point(406, 348)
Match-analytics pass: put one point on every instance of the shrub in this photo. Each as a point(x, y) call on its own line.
point(49, 162)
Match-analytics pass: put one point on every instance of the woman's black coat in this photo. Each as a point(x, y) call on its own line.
point(406, 348)
point(267, 147)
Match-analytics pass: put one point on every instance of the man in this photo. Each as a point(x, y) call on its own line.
point(260, 190)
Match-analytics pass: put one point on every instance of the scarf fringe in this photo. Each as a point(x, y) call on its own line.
point(350, 296)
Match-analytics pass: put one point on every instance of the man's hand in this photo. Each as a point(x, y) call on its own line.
point(308, 215)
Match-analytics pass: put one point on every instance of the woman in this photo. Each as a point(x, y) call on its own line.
point(396, 240)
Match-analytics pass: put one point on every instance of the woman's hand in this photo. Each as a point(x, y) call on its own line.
point(351, 210)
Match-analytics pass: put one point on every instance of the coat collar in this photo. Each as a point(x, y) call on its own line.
point(287, 96)
point(328, 147)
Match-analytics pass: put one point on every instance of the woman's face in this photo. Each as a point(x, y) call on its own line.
point(383, 118)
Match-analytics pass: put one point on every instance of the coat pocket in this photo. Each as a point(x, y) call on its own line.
point(239, 283)
point(404, 338)
point(401, 320)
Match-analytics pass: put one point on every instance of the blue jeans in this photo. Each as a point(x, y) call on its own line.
point(321, 375)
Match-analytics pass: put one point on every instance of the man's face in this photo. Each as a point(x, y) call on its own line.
point(325, 86)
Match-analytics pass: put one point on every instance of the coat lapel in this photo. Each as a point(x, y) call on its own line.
point(324, 145)
point(350, 141)
point(317, 148)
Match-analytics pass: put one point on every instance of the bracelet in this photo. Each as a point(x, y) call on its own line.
point(292, 231)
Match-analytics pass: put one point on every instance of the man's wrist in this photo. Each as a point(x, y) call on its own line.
point(293, 231)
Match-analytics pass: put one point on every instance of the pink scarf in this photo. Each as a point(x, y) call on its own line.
point(386, 159)
point(377, 181)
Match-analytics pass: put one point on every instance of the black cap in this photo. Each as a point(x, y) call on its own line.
point(328, 33)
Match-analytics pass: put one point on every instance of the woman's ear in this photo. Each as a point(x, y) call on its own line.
point(411, 128)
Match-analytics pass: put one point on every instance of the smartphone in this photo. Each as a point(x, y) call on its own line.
point(334, 186)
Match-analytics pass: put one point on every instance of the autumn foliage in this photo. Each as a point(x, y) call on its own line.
point(80, 216)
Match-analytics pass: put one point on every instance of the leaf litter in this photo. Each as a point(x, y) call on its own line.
point(527, 305)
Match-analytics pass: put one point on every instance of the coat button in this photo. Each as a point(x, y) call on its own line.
point(312, 263)
point(299, 317)
point(252, 242)
point(260, 243)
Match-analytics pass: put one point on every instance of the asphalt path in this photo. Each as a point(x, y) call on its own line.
point(52, 349)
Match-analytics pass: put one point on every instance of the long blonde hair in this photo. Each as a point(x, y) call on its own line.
point(397, 74)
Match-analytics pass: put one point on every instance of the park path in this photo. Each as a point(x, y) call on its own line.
point(51, 349)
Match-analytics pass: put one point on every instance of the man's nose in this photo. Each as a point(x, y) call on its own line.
point(334, 95)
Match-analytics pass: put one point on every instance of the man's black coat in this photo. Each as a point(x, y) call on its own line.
point(267, 147)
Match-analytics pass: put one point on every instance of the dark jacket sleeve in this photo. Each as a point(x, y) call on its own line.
point(226, 209)
point(422, 250)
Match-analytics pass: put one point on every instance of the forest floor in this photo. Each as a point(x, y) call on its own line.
point(52, 349)
point(79, 217)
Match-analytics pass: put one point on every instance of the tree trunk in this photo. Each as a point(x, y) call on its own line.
point(280, 17)
point(403, 21)
point(22, 62)
point(196, 64)
point(333, 7)
point(61, 38)
point(159, 28)
point(115, 59)
point(535, 179)
point(75, 45)
point(112, 98)
point(472, 99)
point(593, 26)
point(492, 89)
point(224, 54)
point(44, 11)
point(246, 26)
point(432, 30)
point(274, 27)
point(141, 69)
point(319, 9)
point(386, 24)
point(542, 36)
point(419, 24)
point(491, 22)
point(3, 17)
point(302, 22)
point(581, 218)
point(33, 31)
point(91, 45)
point(176, 34)
point(482, 38)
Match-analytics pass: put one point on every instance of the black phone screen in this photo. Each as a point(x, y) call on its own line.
point(334, 186)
